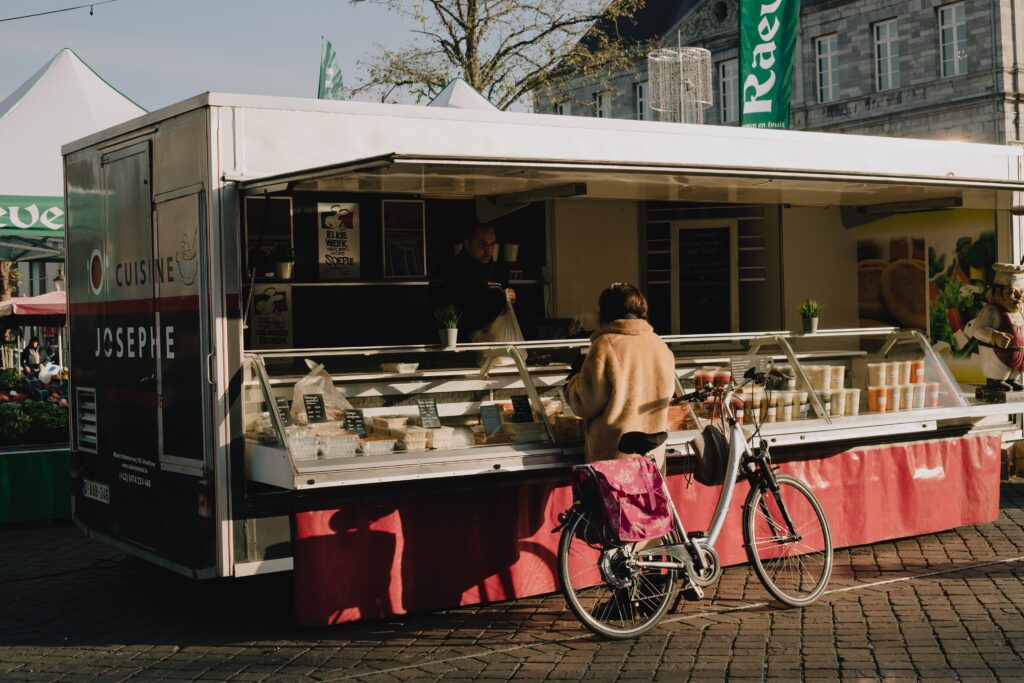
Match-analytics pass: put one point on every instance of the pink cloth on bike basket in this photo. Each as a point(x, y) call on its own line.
point(634, 498)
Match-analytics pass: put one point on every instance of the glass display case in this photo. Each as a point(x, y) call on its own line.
point(323, 417)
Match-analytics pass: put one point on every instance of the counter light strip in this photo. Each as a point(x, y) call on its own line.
point(709, 611)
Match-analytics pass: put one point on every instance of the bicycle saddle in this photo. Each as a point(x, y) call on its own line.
point(639, 443)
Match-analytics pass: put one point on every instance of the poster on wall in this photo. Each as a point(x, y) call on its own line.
point(338, 228)
point(892, 282)
point(271, 317)
point(959, 270)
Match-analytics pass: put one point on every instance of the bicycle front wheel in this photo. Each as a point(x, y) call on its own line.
point(788, 541)
point(612, 598)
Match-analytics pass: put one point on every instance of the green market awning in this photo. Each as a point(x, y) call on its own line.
point(31, 228)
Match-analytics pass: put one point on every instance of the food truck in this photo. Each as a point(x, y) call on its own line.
point(257, 383)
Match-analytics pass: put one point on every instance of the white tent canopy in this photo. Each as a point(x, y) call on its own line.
point(61, 102)
point(461, 95)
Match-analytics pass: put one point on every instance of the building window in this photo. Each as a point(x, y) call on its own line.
point(563, 109)
point(953, 39)
point(728, 91)
point(603, 105)
point(827, 50)
point(887, 55)
point(640, 97)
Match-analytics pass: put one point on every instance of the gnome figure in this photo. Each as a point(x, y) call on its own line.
point(999, 329)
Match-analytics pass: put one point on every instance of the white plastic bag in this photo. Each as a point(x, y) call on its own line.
point(505, 328)
point(318, 381)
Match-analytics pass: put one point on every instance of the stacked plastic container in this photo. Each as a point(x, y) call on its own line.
point(900, 385)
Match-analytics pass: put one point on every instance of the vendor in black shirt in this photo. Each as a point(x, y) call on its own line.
point(474, 283)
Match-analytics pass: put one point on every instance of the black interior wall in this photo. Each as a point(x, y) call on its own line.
point(393, 311)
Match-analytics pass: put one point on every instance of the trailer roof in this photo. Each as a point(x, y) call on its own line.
point(321, 134)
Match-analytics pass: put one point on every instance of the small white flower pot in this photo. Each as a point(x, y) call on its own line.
point(449, 337)
point(810, 325)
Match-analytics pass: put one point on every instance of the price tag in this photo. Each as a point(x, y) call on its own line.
point(354, 422)
point(490, 415)
point(315, 410)
point(428, 413)
point(522, 411)
point(284, 410)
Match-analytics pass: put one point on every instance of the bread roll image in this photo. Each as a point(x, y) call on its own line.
point(869, 287)
point(904, 288)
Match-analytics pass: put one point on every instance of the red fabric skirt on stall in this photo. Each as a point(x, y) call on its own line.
point(427, 551)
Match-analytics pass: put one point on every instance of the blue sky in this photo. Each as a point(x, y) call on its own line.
point(162, 51)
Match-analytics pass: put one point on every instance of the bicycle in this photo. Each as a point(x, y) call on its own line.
point(622, 590)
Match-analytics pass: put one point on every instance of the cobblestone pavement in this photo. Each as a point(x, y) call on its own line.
point(939, 607)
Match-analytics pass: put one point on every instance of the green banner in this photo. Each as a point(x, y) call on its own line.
point(331, 87)
point(32, 216)
point(767, 40)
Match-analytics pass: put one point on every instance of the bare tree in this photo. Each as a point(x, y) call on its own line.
point(8, 279)
point(506, 49)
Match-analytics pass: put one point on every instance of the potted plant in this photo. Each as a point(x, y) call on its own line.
point(283, 258)
point(809, 311)
point(447, 318)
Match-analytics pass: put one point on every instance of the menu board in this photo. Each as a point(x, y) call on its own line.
point(705, 280)
point(315, 410)
point(284, 410)
point(428, 413)
point(354, 422)
point(490, 415)
point(522, 411)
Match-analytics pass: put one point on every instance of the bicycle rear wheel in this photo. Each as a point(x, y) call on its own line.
point(794, 566)
point(611, 598)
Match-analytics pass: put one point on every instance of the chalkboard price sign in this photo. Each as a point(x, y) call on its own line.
point(428, 413)
point(315, 410)
point(705, 280)
point(283, 409)
point(522, 411)
point(490, 415)
point(354, 422)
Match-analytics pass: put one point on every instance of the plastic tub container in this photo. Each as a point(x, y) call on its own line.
point(876, 374)
point(878, 399)
point(932, 399)
point(838, 402)
point(892, 374)
point(784, 406)
point(837, 376)
point(920, 395)
point(892, 397)
point(303, 447)
point(376, 446)
point(338, 446)
point(524, 432)
point(906, 396)
point(703, 377)
point(904, 372)
point(826, 401)
point(801, 407)
point(721, 377)
point(916, 371)
point(852, 402)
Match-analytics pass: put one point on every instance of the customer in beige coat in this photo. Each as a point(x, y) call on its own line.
point(627, 379)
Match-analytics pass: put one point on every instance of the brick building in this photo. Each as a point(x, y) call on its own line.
point(910, 68)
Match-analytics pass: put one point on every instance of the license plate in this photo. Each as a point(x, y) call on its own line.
point(96, 490)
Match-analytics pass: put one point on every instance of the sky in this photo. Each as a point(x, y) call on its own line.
point(158, 52)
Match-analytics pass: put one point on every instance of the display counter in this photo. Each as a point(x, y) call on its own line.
point(422, 412)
